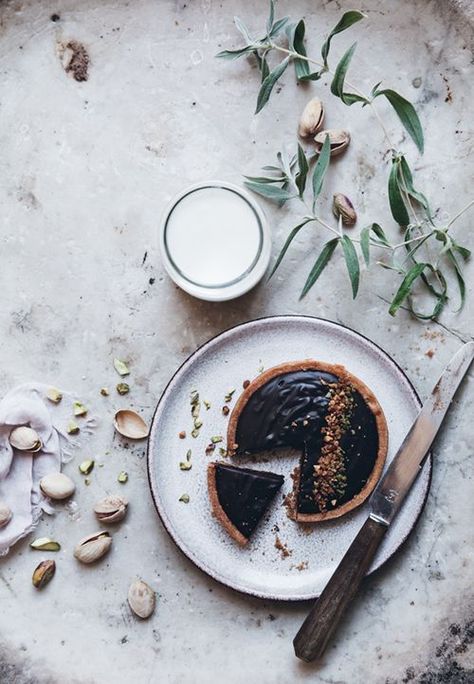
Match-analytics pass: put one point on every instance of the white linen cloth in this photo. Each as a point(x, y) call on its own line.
point(20, 472)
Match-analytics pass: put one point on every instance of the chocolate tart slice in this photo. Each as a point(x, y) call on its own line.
point(328, 414)
point(240, 497)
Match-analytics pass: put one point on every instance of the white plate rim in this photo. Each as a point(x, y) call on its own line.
point(160, 509)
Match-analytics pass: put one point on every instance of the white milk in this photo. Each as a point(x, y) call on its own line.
point(213, 236)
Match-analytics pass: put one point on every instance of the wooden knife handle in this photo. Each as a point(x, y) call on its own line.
point(316, 631)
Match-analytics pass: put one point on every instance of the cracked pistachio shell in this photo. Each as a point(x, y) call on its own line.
point(129, 424)
point(111, 509)
point(93, 547)
point(338, 140)
point(43, 573)
point(57, 486)
point(343, 207)
point(24, 438)
point(5, 514)
point(311, 119)
point(141, 599)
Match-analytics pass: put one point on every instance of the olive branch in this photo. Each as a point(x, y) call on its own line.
point(427, 250)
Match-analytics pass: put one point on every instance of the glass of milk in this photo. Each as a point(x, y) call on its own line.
point(215, 241)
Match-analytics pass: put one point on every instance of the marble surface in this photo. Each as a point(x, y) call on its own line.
point(86, 168)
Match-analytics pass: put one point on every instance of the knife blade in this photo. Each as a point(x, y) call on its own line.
point(316, 631)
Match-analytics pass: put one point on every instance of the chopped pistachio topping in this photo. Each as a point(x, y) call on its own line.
point(185, 465)
point(86, 467)
point(216, 439)
point(72, 428)
point(122, 477)
point(229, 395)
point(79, 409)
point(188, 454)
point(123, 388)
point(104, 391)
point(45, 544)
point(54, 395)
point(197, 423)
point(222, 451)
point(121, 367)
point(87, 481)
point(207, 404)
point(195, 433)
point(184, 498)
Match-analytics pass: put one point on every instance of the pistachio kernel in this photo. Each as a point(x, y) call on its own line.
point(122, 477)
point(79, 409)
point(43, 573)
point(184, 498)
point(86, 467)
point(123, 388)
point(121, 367)
point(72, 428)
point(54, 395)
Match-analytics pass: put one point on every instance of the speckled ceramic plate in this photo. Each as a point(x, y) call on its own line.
point(224, 363)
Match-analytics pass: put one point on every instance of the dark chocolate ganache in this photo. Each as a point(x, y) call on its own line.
point(328, 420)
point(245, 494)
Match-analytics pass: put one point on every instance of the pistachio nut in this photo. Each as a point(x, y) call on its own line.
point(45, 544)
point(141, 599)
point(5, 514)
point(123, 388)
point(57, 486)
point(24, 438)
point(111, 509)
point(343, 207)
point(122, 477)
point(86, 467)
point(338, 140)
point(93, 547)
point(72, 428)
point(79, 409)
point(43, 573)
point(311, 119)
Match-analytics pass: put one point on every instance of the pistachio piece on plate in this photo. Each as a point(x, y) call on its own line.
point(93, 547)
point(24, 438)
point(141, 599)
point(57, 486)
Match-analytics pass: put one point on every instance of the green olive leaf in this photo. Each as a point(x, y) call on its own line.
point(459, 277)
point(295, 34)
point(395, 197)
point(346, 21)
point(269, 191)
point(269, 83)
point(278, 26)
point(352, 263)
point(320, 169)
point(406, 286)
point(319, 266)
point(337, 85)
point(235, 54)
point(288, 242)
point(407, 115)
point(243, 30)
point(302, 174)
point(406, 178)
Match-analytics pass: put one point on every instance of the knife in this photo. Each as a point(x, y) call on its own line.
point(316, 631)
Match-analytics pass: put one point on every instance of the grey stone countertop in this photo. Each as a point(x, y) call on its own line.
point(86, 168)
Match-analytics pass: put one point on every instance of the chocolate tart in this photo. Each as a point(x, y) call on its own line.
point(328, 414)
point(240, 497)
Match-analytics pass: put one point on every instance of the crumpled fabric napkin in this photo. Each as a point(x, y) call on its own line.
point(20, 472)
